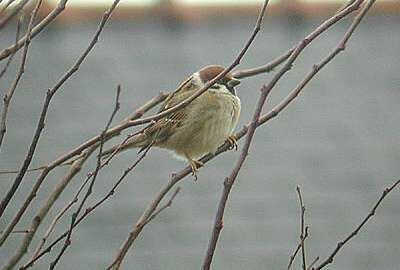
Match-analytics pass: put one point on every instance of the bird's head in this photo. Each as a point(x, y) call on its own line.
point(208, 73)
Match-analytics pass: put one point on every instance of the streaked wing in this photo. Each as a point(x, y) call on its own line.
point(164, 126)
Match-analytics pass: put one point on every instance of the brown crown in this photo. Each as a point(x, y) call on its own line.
point(210, 72)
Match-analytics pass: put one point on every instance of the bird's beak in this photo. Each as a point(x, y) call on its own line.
point(233, 82)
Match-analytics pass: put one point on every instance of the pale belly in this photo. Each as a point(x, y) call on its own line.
point(211, 120)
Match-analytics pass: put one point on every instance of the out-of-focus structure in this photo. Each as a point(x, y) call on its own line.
point(187, 10)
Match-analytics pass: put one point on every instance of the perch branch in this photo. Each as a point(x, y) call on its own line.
point(142, 221)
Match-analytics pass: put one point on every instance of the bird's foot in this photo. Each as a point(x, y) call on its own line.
point(232, 142)
point(195, 165)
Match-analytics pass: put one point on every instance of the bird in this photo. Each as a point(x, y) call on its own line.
point(198, 128)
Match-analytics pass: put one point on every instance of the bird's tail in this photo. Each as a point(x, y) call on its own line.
point(139, 140)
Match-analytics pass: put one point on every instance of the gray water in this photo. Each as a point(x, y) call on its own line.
point(339, 141)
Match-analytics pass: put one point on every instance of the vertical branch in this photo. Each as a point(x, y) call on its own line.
point(303, 229)
point(256, 121)
point(230, 180)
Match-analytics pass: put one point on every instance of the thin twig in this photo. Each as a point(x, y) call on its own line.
point(36, 30)
point(18, 231)
point(293, 256)
point(244, 73)
point(313, 263)
point(11, 57)
point(162, 208)
point(302, 229)
point(372, 212)
point(6, 99)
point(93, 176)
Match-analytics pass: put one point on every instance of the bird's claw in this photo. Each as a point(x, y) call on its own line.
point(195, 165)
point(232, 142)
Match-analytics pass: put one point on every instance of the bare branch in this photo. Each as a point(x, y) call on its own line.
point(162, 208)
point(313, 263)
point(7, 99)
point(229, 181)
point(341, 244)
point(11, 57)
point(293, 256)
point(244, 73)
point(36, 30)
point(303, 229)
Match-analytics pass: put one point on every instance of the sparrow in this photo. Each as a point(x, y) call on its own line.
point(198, 128)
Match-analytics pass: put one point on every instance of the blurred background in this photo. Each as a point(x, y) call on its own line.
point(339, 140)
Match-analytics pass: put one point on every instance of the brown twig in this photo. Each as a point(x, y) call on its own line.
point(36, 30)
point(293, 256)
point(11, 57)
point(372, 212)
point(18, 231)
point(6, 99)
point(229, 181)
point(162, 208)
point(303, 229)
point(93, 177)
point(313, 263)
point(244, 73)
